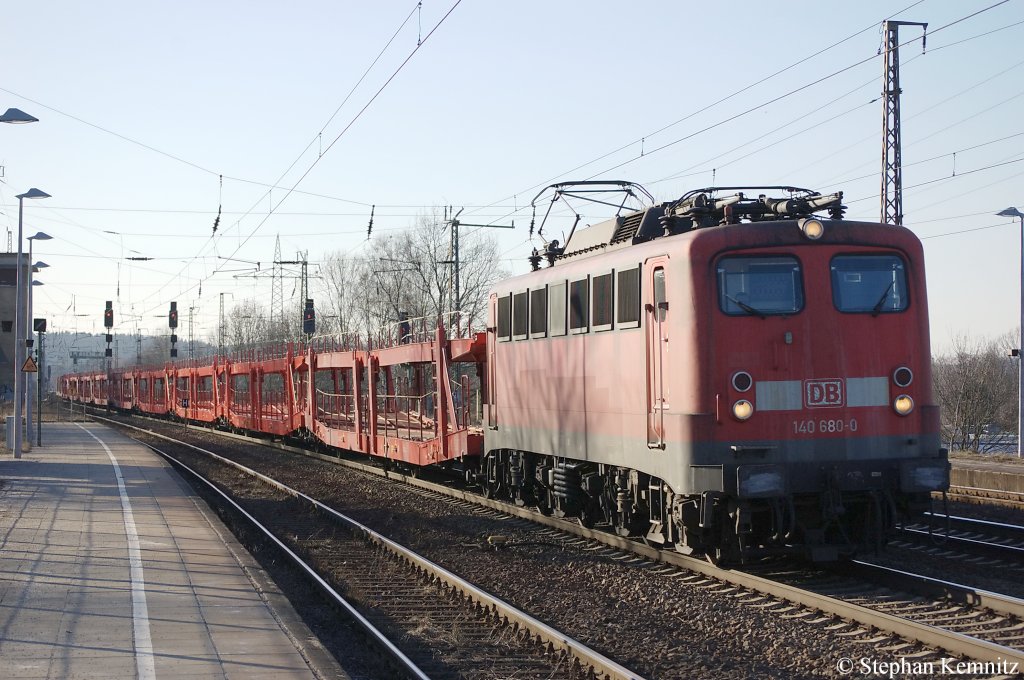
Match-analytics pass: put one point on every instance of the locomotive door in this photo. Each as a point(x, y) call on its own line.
point(492, 326)
point(656, 323)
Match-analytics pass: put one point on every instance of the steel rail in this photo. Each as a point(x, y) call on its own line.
point(388, 646)
point(973, 521)
point(555, 638)
point(971, 544)
point(954, 592)
point(951, 641)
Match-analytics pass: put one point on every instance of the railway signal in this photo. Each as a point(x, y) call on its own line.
point(108, 323)
point(309, 318)
point(172, 323)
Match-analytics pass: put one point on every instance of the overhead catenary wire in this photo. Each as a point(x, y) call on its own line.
point(316, 139)
point(751, 109)
point(707, 107)
point(344, 130)
point(786, 95)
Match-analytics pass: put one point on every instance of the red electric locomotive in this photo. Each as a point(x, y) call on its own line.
point(723, 373)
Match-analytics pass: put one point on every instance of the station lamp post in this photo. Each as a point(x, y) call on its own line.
point(17, 116)
point(29, 380)
point(19, 319)
point(1013, 212)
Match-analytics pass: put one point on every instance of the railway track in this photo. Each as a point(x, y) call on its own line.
point(946, 616)
point(430, 622)
point(971, 536)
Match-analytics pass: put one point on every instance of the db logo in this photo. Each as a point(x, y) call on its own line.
point(822, 393)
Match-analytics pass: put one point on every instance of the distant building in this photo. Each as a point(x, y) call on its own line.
point(10, 359)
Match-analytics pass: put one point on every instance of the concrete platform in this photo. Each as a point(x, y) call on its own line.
point(982, 474)
point(111, 568)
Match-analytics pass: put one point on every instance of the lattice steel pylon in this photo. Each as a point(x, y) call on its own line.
point(892, 163)
point(277, 289)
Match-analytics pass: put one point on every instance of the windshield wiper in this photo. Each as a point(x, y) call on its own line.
point(881, 301)
point(746, 308)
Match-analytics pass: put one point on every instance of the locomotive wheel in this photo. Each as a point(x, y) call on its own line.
point(590, 515)
point(728, 549)
point(544, 503)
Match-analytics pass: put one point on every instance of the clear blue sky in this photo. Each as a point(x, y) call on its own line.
point(143, 106)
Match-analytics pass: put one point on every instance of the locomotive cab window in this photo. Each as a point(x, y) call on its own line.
point(869, 284)
point(760, 286)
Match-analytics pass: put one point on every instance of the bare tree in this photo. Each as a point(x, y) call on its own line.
point(248, 325)
point(411, 273)
point(976, 388)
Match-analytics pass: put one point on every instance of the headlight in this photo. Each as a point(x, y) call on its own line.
point(741, 381)
point(812, 228)
point(903, 404)
point(742, 409)
point(760, 481)
point(902, 376)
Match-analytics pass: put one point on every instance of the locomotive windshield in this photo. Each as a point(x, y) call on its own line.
point(870, 284)
point(760, 286)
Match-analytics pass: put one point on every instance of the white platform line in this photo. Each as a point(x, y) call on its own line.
point(144, 661)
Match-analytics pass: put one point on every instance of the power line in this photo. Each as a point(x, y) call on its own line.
point(944, 179)
point(967, 231)
point(745, 112)
point(352, 122)
point(928, 160)
point(697, 112)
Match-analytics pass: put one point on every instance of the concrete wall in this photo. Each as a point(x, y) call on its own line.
point(8, 361)
point(987, 479)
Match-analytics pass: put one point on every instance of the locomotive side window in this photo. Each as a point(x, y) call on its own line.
point(579, 307)
point(660, 301)
point(759, 286)
point(628, 298)
point(505, 317)
point(538, 312)
point(556, 308)
point(604, 302)
point(520, 318)
point(870, 284)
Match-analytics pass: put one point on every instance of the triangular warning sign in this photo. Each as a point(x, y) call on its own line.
point(29, 366)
